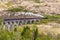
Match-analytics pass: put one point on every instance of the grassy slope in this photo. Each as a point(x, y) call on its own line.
point(28, 33)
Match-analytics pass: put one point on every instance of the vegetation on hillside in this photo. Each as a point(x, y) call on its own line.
point(37, 1)
point(19, 9)
point(48, 18)
point(16, 9)
point(27, 33)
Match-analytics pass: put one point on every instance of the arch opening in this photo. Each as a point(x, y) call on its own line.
point(16, 21)
point(37, 20)
point(12, 22)
point(32, 21)
point(20, 22)
point(28, 22)
point(4, 23)
point(8, 22)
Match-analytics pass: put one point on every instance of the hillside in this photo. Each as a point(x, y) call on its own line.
point(47, 28)
point(42, 7)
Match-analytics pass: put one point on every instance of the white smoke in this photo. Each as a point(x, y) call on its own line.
point(29, 13)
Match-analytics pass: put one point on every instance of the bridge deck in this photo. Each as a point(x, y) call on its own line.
point(21, 19)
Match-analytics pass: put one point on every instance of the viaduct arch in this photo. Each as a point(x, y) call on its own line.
point(11, 23)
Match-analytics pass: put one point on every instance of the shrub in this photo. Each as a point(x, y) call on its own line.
point(35, 34)
point(37, 1)
point(26, 33)
point(15, 9)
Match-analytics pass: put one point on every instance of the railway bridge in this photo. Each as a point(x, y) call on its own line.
point(10, 23)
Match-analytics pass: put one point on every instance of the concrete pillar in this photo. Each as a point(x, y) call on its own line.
point(26, 22)
point(9, 27)
point(4, 26)
point(4, 23)
point(21, 22)
point(30, 21)
point(34, 20)
point(12, 27)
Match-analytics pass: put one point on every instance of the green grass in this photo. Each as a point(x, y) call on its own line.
point(37, 1)
point(26, 34)
point(48, 18)
point(18, 9)
point(52, 16)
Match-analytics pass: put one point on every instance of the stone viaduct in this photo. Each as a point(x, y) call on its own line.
point(10, 23)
